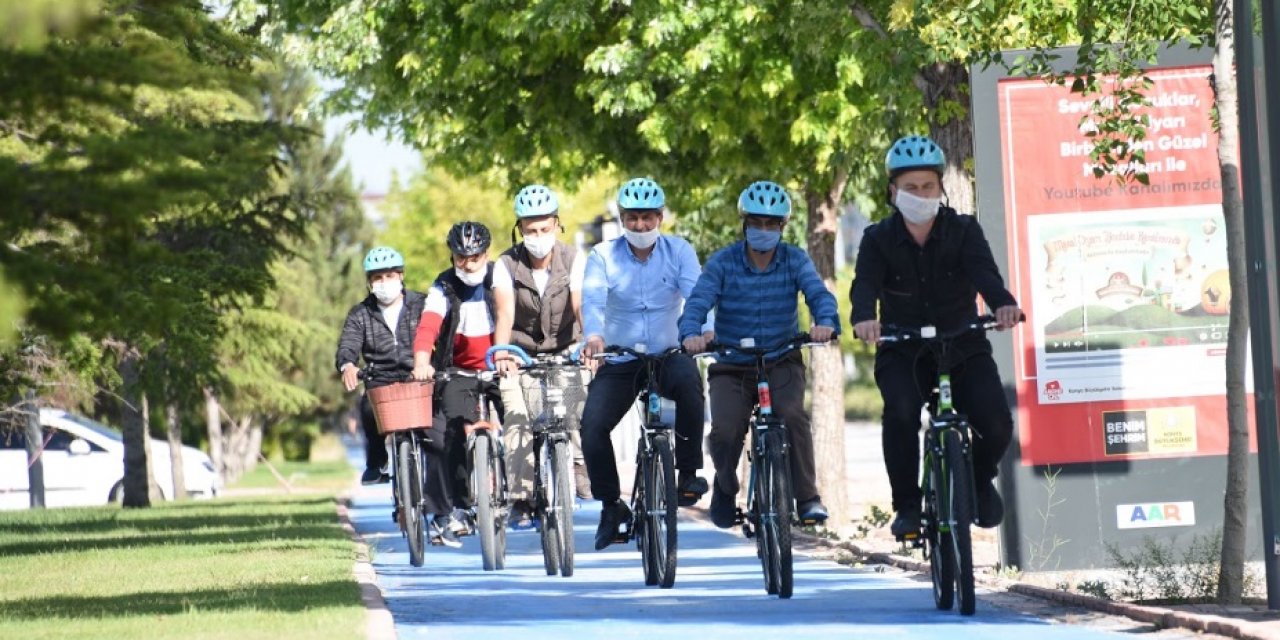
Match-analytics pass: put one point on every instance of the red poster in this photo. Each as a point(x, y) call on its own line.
point(1125, 285)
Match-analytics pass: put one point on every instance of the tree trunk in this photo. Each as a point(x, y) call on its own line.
point(175, 451)
point(213, 423)
point(825, 366)
point(137, 458)
point(946, 96)
point(1235, 507)
point(35, 449)
point(242, 446)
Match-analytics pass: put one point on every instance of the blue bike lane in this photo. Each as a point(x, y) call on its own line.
point(719, 592)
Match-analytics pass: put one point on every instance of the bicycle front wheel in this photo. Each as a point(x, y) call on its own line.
point(544, 487)
point(409, 492)
point(942, 552)
point(660, 514)
point(779, 513)
point(962, 507)
point(485, 491)
point(562, 504)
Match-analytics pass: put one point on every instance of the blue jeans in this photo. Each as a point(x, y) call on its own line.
point(613, 392)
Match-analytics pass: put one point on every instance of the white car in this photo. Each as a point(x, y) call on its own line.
point(84, 465)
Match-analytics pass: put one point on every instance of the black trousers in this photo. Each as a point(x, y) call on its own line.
point(375, 448)
point(611, 395)
point(905, 381)
point(447, 467)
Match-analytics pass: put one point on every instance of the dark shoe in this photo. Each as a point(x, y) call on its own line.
point(374, 476)
point(990, 506)
point(691, 488)
point(581, 481)
point(906, 523)
point(612, 516)
point(723, 510)
point(813, 512)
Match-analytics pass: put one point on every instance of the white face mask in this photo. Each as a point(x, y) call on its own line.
point(387, 291)
point(642, 239)
point(915, 209)
point(469, 278)
point(539, 246)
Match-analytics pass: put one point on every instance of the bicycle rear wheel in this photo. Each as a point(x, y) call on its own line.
point(485, 492)
point(660, 513)
point(962, 507)
point(780, 513)
point(545, 493)
point(562, 504)
point(409, 492)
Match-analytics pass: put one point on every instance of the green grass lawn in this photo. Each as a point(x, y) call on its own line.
point(276, 567)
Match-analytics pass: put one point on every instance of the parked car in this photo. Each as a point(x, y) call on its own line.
point(84, 464)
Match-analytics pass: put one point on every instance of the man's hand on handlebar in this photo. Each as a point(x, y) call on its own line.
point(594, 345)
point(422, 369)
point(350, 376)
point(1008, 316)
point(867, 331)
point(696, 344)
point(505, 363)
point(821, 333)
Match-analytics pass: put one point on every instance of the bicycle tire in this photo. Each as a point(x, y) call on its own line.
point(941, 551)
point(562, 504)
point(498, 472)
point(409, 488)
point(660, 511)
point(784, 512)
point(482, 491)
point(760, 499)
point(962, 507)
point(543, 492)
point(640, 516)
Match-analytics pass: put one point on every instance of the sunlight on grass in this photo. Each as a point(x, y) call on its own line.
point(259, 568)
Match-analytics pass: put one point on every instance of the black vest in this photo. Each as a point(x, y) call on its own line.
point(455, 291)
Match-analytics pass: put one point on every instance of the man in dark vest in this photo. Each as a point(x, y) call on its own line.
point(537, 288)
point(454, 333)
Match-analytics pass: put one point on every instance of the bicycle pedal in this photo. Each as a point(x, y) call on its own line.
point(910, 537)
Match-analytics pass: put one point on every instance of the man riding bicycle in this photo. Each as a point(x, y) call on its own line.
point(378, 329)
point(455, 332)
point(925, 265)
point(537, 291)
point(752, 285)
point(632, 293)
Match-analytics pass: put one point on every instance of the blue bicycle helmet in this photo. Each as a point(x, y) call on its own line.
point(641, 193)
point(535, 201)
point(914, 152)
point(383, 258)
point(765, 198)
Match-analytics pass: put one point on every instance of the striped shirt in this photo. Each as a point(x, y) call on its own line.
point(754, 303)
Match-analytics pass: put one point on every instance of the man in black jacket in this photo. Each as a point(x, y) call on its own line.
point(380, 329)
point(925, 265)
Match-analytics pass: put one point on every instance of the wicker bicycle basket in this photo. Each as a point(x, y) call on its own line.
point(402, 406)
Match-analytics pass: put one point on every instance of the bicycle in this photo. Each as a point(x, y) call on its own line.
point(486, 457)
point(403, 410)
point(946, 480)
point(553, 457)
point(771, 507)
point(653, 497)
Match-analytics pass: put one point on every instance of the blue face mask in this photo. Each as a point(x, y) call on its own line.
point(762, 240)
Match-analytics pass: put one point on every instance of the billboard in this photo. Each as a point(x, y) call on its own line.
point(1125, 284)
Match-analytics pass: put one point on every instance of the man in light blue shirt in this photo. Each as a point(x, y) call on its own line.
point(632, 294)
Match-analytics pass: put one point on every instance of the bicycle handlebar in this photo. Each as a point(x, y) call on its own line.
point(894, 333)
point(797, 341)
point(614, 350)
point(531, 362)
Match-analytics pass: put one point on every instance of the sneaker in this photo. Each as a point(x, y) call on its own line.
point(374, 476)
point(990, 506)
point(462, 523)
point(581, 481)
point(906, 523)
point(691, 488)
point(439, 534)
point(612, 516)
point(522, 516)
point(813, 512)
point(723, 510)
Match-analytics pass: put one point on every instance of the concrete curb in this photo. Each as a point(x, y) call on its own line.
point(379, 624)
point(1157, 616)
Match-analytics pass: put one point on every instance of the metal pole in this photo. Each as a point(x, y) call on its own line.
point(1259, 95)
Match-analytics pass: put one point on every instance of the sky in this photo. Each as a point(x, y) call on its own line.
point(373, 157)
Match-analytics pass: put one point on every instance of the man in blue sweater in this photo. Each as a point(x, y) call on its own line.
point(752, 285)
